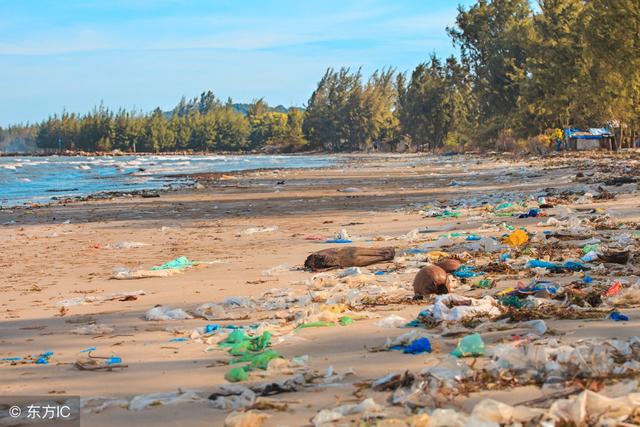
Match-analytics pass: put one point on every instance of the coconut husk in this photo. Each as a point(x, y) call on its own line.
point(449, 265)
point(431, 280)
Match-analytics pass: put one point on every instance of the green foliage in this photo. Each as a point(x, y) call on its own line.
point(494, 38)
point(345, 114)
point(202, 124)
point(432, 104)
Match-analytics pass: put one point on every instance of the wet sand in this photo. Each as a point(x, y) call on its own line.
point(56, 253)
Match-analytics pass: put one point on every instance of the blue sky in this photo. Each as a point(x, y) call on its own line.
point(73, 54)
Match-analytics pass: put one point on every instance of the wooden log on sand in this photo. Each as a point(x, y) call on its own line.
point(350, 256)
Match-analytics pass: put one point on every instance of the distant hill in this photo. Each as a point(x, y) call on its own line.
point(244, 108)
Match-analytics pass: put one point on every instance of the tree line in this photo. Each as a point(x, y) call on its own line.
point(202, 124)
point(521, 74)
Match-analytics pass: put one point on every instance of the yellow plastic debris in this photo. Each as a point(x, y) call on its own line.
point(437, 255)
point(334, 308)
point(517, 238)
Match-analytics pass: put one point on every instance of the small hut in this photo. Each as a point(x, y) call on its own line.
point(590, 139)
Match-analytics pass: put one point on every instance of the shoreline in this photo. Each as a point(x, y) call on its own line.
point(173, 153)
point(210, 177)
point(196, 178)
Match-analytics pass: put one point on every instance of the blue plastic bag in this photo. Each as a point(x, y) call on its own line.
point(421, 345)
point(618, 317)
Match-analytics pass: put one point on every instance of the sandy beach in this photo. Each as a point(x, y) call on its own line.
point(252, 232)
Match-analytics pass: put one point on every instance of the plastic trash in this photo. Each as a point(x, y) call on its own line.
point(531, 214)
point(259, 360)
point(92, 329)
point(550, 222)
point(392, 321)
point(113, 360)
point(537, 288)
point(448, 214)
point(471, 345)
point(518, 238)
point(419, 346)
point(166, 313)
point(210, 311)
point(351, 271)
point(126, 274)
point(255, 230)
point(590, 256)
point(179, 263)
point(589, 408)
point(465, 272)
point(242, 302)
point(504, 206)
point(618, 317)
point(274, 271)
point(456, 308)
point(141, 402)
point(318, 324)
point(43, 359)
point(234, 375)
point(345, 320)
point(613, 289)
point(511, 301)
point(245, 419)
point(590, 248)
point(484, 284)
point(124, 295)
point(367, 409)
point(208, 329)
point(126, 245)
point(569, 265)
point(498, 413)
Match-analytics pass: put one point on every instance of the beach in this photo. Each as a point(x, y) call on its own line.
point(250, 232)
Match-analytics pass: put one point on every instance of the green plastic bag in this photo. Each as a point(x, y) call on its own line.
point(319, 324)
point(484, 284)
point(504, 206)
point(261, 342)
point(511, 301)
point(235, 337)
point(239, 348)
point(235, 375)
point(176, 264)
point(471, 345)
point(590, 248)
point(257, 360)
point(345, 320)
point(261, 360)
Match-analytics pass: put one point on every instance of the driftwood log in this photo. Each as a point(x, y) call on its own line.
point(350, 256)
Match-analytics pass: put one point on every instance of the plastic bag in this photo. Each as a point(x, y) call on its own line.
point(517, 238)
point(166, 313)
point(471, 345)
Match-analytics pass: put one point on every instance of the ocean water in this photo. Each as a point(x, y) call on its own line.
point(39, 179)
